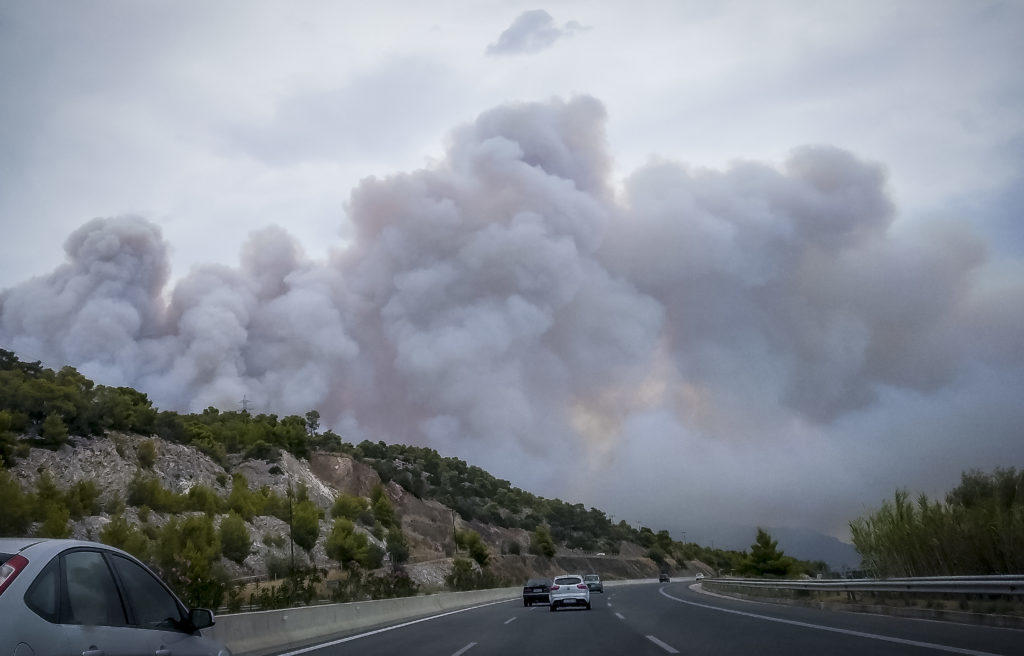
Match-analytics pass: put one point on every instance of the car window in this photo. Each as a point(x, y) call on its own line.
point(567, 580)
point(151, 603)
point(536, 582)
point(42, 594)
point(92, 597)
point(591, 577)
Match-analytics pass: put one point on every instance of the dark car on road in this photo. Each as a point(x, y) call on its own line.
point(663, 577)
point(535, 591)
point(593, 582)
point(63, 597)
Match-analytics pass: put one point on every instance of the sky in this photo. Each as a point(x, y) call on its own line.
point(688, 262)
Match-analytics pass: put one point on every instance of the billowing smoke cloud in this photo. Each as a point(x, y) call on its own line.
point(506, 305)
point(531, 31)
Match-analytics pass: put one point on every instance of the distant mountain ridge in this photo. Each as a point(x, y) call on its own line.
point(802, 543)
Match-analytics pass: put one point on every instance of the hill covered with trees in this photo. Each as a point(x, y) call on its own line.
point(223, 517)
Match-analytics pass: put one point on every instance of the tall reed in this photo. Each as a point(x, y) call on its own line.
point(979, 529)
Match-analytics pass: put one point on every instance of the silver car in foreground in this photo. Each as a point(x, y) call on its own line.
point(569, 590)
point(63, 597)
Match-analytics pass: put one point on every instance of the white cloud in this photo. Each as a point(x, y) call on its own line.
point(531, 31)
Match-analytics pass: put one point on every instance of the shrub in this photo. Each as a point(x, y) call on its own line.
point(204, 499)
point(398, 547)
point(53, 433)
point(55, 523)
point(348, 506)
point(263, 451)
point(346, 545)
point(16, 516)
point(305, 524)
point(146, 453)
point(187, 554)
point(383, 511)
point(147, 491)
point(123, 535)
point(82, 499)
point(470, 540)
point(234, 538)
point(541, 543)
point(273, 540)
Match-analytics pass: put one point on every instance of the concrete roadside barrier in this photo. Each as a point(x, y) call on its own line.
point(264, 631)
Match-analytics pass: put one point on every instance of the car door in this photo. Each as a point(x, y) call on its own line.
point(92, 612)
point(155, 613)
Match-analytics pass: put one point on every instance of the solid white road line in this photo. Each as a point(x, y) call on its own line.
point(661, 644)
point(619, 615)
point(464, 649)
point(510, 620)
point(306, 650)
point(822, 627)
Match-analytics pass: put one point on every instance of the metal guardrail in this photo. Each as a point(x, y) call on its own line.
point(1012, 585)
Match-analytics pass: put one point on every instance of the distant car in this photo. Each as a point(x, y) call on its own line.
point(569, 590)
point(700, 576)
point(599, 553)
point(663, 578)
point(593, 582)
point(535, 591)
point(62, 597)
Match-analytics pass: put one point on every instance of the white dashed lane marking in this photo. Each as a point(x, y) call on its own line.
point(661, 644)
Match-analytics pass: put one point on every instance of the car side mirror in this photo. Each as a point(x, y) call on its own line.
point(201, 618)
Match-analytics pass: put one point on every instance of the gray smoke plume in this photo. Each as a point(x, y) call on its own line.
point(506, 301)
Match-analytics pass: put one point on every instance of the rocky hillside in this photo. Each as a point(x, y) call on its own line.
point(117, 459)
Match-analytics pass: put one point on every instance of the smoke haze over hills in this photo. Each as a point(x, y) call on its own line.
point(760, 342)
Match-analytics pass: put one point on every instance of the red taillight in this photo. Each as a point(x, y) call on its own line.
point(581, 586)
point(11, 569)
point(554, 587)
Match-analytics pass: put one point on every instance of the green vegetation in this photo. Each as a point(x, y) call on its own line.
point(40, 407)
point(383, 512)
point(348, 506)
point(541, 543)
point(978, 530)
point(397, 546)
point(766, 559)
point(187, 554)
point(465, 577)
point(235, 540)
point(122, 534)
point(17, 514)
point(471, 542)
point(305, 524)
point(346, 545)
point(146, 453)
point(48, 406)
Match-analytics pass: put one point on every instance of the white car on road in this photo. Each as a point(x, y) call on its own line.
point(569, 590)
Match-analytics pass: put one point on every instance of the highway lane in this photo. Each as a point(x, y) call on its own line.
point(657, 619)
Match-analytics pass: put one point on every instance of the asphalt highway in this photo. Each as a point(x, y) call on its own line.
point(668, 618)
